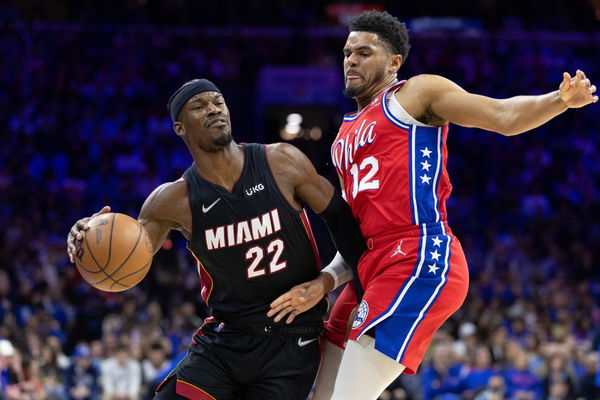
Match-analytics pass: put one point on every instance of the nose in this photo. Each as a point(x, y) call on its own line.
point(213, 109)
point(351, 60)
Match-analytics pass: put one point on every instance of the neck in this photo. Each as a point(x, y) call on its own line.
point(363, 100)
point(222, 167)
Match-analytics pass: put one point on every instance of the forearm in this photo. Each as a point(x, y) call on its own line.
point(346, 234)
point(523, 113)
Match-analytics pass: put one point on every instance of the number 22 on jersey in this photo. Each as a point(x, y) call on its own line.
point(257, 253)
point(363, 175)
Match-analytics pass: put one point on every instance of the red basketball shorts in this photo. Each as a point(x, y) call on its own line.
point(413, 281)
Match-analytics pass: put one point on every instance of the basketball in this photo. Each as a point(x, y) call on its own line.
point(115, 253)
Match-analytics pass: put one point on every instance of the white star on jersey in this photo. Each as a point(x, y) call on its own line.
point(435, 255)
point(436, 241)
point(433, 268)
point(425, 165)
point(426, 152)
point(425, 179)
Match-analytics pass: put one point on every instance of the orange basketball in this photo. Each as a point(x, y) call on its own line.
point(115, 253)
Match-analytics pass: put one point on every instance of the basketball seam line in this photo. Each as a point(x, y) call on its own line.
point(124, 261)
point(102, 269)
point(132, 273)
point(122, 264)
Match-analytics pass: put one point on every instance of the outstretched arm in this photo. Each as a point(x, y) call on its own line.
point(446, 101)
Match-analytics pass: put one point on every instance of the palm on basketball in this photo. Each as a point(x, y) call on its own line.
point(112, 251)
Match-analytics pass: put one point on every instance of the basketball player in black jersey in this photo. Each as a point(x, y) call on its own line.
point(241, 209)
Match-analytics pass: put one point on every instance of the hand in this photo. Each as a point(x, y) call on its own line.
point(301, 298)
point(577, 91)
point(75, 235)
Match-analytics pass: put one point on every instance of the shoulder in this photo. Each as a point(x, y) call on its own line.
point(287, 159)
point(290, 166)
point(427, 84)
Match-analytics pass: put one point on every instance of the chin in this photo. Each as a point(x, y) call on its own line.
point(352, 92)
point(222, 140)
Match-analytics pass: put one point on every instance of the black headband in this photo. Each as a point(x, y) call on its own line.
point(186, 92)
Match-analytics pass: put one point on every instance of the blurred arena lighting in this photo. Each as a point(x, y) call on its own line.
point(292, 127)
point(316, 133)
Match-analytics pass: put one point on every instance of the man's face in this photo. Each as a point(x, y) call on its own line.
point(365, 61)
point(205, 121)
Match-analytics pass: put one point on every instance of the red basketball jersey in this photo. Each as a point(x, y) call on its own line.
point(394, 173)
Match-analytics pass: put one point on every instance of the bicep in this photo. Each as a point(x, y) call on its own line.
point(310, 187)
point(469, 110)
point(152, 217)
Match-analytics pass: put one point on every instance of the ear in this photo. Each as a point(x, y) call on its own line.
point(178, 128)
point(395, 63)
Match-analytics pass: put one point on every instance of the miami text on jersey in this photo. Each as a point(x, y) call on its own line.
point(243, 232)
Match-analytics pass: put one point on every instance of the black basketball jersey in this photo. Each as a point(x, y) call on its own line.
point(251, 244)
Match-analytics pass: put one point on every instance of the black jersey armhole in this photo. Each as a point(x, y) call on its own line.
point(189, 177)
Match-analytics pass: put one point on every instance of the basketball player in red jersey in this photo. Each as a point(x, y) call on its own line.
point(391, 158)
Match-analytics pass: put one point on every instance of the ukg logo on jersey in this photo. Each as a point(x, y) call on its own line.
point(255, 189)
point(343, 150)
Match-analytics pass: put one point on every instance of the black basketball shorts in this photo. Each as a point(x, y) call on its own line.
point(226, 364)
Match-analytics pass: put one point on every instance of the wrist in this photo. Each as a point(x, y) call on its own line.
point(561, 101)
point(327, 281)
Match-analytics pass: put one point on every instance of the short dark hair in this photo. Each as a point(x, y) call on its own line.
point(390, 31)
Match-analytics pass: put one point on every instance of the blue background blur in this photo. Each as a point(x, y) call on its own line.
point(83, 123)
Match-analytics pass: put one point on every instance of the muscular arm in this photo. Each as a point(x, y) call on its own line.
point(442, 100)
point(165, 210)
point(294, 170)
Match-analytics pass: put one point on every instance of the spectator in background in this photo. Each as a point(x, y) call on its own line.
point(589, 389)
point(559, 379)
point(521, 383)
point(467, 340)
point(155, 362)
point(442, 380)
point(479, 373)
point(121, 376)
point(494, 390)
point(82, 379)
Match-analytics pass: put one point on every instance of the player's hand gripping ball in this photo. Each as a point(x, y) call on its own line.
point(115, 253)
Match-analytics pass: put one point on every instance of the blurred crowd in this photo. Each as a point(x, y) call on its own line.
point(83, 124)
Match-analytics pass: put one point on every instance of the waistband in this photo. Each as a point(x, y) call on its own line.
point(429, 229)
point(304, 331)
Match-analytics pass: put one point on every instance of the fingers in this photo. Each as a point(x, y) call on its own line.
point(290, 319)
point(105, 209)
point(275, 309)
point(286, 297)
point(566, 78)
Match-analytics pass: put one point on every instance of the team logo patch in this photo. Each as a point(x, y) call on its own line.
point(361, 315)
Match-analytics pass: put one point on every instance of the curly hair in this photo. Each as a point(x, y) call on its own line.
point(390, 31)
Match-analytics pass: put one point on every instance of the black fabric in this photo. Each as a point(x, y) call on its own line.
point(280, 330)
point(232, 365)
point(186, 92)
point(240, 278)
point(346, 235)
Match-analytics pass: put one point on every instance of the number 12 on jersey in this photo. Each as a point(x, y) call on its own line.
point(368, 168)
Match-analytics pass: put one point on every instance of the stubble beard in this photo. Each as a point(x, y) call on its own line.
point(217, 144)
point(354, 92)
